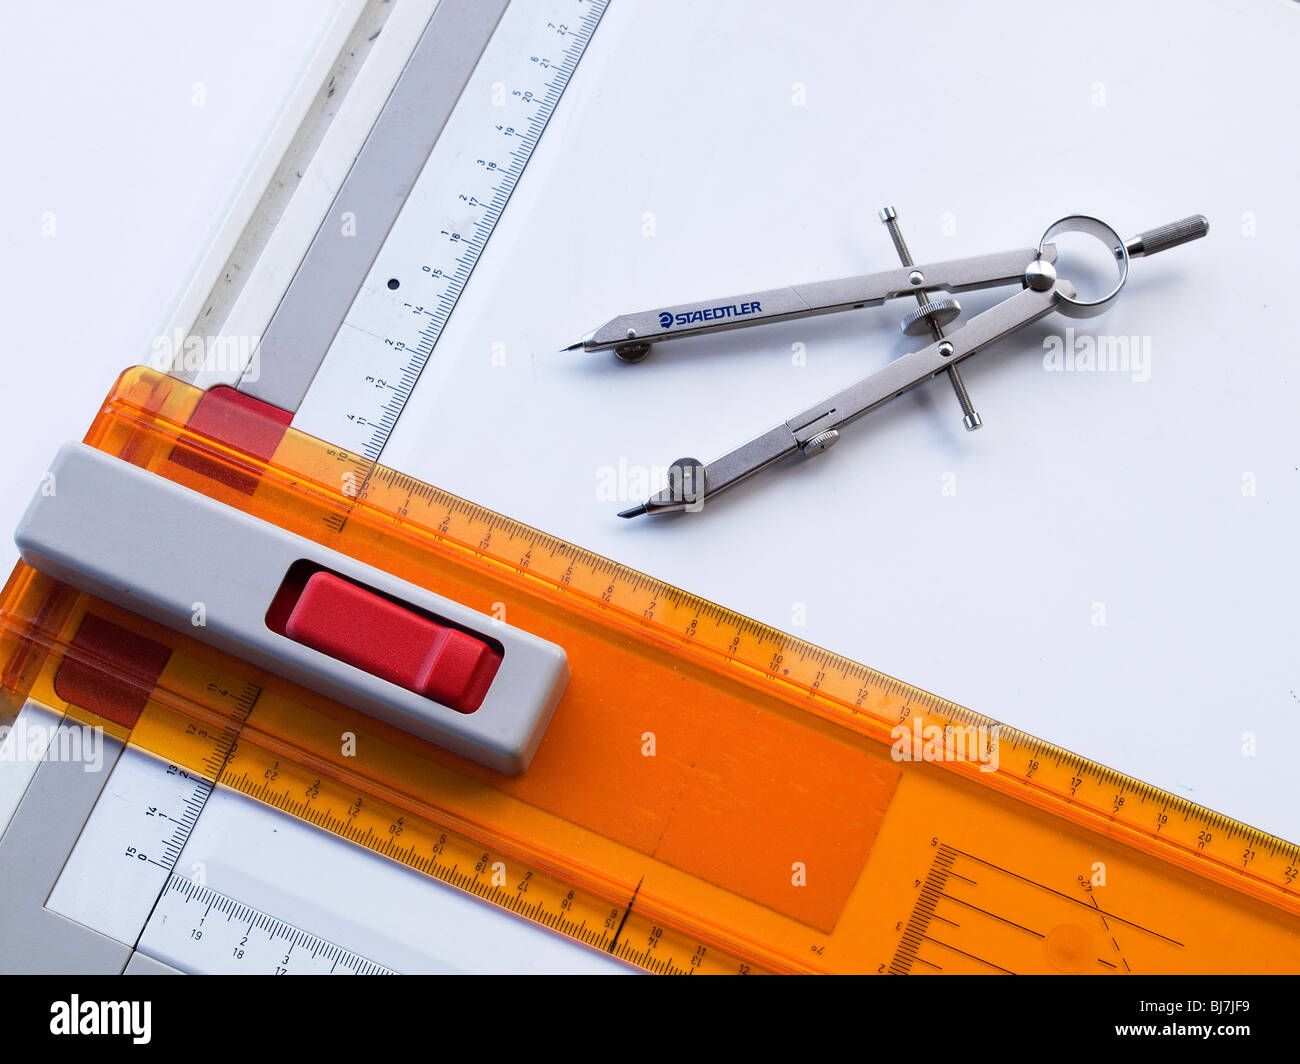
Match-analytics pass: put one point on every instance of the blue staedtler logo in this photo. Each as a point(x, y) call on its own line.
point(691, 317)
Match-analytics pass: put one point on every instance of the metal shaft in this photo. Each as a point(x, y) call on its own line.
point(969, 417)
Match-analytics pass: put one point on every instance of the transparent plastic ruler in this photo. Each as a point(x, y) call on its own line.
point(207, 932)
point(392, 328)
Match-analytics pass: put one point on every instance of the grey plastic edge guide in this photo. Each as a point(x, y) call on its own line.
point(394, 153)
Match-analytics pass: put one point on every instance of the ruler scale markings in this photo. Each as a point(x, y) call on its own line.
point(529, 45)
point(252, 955)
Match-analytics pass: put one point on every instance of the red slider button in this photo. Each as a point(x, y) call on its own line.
point(388, 640)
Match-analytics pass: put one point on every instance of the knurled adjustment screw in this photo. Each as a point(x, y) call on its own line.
point(632, 352)
point(821, 442)
point(940, 311)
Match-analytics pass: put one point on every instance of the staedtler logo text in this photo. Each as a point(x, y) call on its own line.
point(75, 1016)
point(691, 317)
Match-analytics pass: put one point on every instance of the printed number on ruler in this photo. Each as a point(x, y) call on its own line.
point(130, 845)
point(426, 260)
point(209, 933)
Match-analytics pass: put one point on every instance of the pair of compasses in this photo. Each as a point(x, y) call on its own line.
point(692, 482)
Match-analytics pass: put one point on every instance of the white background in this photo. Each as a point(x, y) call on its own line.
point(1082, 488)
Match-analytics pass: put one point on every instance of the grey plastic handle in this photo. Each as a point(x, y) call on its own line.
point(159, 549)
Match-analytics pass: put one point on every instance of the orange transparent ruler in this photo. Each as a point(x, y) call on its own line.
point(711, 795)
